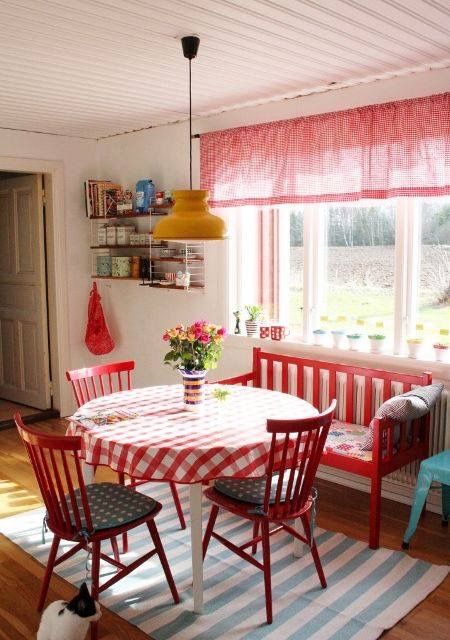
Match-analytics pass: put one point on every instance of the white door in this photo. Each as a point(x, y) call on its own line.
point(24, 357)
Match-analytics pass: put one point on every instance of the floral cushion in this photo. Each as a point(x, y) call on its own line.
point(112, 505)
point(348, 439)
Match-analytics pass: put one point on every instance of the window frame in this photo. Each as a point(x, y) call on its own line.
point(406, 265)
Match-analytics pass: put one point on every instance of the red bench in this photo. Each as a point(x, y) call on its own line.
point(359, 391)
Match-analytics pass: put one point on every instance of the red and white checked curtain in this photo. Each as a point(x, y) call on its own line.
point(269, 262)
point(380, 151)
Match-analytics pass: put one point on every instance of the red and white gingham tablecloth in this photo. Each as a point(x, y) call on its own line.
point(156, 438)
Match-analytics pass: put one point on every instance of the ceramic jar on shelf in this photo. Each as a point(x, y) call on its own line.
point(104, 266)
point(124, 232)
point(121, 266)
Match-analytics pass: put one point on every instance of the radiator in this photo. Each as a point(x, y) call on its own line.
point(439, 423)
point(439, 440)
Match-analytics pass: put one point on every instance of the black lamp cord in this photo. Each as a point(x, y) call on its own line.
point(190, 125)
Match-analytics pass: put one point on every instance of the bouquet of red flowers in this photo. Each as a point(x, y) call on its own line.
point(197, 347)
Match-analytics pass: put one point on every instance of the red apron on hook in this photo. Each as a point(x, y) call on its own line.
point(98, 339)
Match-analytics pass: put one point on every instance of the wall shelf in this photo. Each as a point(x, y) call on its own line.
point(154, 285)
point(153, 267)
point(159, 210)
point(115, 278)
point(172, 259)
point(120, 246)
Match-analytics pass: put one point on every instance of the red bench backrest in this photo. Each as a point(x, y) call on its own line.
point(287, 373)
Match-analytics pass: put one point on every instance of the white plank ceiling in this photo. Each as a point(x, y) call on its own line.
point(94, 68)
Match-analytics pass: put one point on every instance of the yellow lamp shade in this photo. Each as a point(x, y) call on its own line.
point(190, 219)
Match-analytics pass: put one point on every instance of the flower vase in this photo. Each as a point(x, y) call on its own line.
point(193, 388)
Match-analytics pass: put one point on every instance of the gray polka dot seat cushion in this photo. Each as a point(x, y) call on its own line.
point(252, 490)
point(113, 505)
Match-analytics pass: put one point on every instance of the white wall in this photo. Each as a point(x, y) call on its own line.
point(75, 160)
point(162, 154)
point(137, 315)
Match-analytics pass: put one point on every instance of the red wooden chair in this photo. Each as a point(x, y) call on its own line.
point(87, 514)
point(94, 382)
point(284, 493)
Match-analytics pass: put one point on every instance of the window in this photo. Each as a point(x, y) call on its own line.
point(433, 286)
point(360, 267)
point(373, 267)
point(296, 268)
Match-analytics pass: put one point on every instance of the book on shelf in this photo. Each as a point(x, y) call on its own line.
point(111, 198)
point(95, 196)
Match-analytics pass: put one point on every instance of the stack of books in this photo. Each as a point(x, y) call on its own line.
point(101, 198)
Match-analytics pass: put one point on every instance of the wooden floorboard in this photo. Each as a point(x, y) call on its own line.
point(340, 509)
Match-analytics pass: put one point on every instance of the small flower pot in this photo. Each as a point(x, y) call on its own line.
point(354, 341)
point(320, 337)
point(377, 344)
point(441, 352)
point(414, 348)
point(252, 328)
point(338, 338)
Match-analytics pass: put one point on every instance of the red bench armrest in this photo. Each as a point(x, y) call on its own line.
point(243, 379)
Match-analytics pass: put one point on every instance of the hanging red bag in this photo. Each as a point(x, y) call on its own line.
point(98, 339)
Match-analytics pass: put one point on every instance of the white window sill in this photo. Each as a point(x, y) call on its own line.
point(439, 370)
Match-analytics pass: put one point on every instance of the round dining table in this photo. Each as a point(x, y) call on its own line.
point(149, 435)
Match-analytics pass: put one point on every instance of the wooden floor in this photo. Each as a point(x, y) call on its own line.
point(340, 509)
point(8, 408)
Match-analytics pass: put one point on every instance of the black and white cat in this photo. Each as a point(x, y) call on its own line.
point(69, 620)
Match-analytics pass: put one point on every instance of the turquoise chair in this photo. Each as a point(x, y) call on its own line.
point(434, 469)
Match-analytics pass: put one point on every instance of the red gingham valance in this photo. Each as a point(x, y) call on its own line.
point(379, 151)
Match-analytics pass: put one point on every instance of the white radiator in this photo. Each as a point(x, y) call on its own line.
point(398, 485)
point(439, 440)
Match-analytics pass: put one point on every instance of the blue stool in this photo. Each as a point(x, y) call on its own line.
point(434, 469)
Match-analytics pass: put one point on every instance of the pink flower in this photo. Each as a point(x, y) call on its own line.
point(204, 338)
point(166, 336)
point(221, 331)
point(198, 332)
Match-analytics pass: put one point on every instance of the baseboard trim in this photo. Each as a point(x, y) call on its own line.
point(47, 414)
point(392, 490)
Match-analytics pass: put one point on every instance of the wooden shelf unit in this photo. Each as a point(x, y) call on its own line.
point(157, 271)
point(146, 283)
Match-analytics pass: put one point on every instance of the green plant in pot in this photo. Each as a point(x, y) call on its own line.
point(377, 342)
point(255, 314)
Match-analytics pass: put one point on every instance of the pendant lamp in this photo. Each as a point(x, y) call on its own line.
point(190, 218)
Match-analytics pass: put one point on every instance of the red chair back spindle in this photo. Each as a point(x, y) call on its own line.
point(295, 453)
point(58, 472)
point(94, 382)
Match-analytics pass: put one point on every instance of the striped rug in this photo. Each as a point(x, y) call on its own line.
point(368, 591)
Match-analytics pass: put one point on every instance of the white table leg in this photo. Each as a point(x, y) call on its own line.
point(298, 544)
point(195, 504)
point(88, 473)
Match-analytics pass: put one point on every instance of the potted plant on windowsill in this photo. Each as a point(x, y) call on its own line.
point(354, 341)
point(255, 313)
point(441, 351)
point(377, 342)
point(414, 347)
point(338, 338)
point(320, 337)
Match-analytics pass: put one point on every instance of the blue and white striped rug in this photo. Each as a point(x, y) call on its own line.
point(368, 591)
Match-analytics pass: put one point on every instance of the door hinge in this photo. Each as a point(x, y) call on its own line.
point(44, 197)
point(50, 386)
